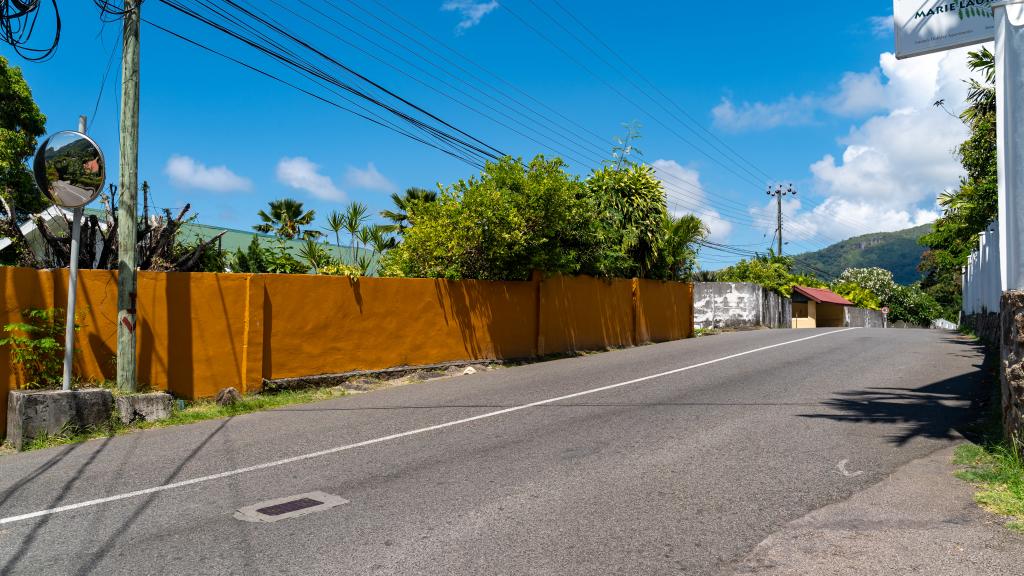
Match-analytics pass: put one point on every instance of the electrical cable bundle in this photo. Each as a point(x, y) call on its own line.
point(18, 26)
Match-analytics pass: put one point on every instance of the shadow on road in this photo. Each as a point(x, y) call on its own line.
point(947, 410)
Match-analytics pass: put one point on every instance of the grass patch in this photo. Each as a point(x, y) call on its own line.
point(994, 465)
point(698, 332)
point(998, 472)
point(208, 409)
point(191, 412)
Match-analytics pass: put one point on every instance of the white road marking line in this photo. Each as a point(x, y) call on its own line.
point(301, 457)
point(842, 468)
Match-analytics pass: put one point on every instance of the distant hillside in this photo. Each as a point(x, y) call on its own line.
point(897, 252)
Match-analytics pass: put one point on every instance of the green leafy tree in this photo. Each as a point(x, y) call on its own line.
point(860, 296)
point(286, 219)
point(399, 217)
point(21, 124)
point(969, 209)
point(513, 219)
point(630, 205)
point(907, 303)
point(772, 272)
point(682, 237)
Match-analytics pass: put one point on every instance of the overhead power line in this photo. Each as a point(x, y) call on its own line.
point(696, 128)
point(18, 28)
point(275, 41)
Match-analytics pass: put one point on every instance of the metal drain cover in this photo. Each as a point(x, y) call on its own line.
point(289, 507)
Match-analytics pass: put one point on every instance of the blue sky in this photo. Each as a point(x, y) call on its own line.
point(803, 93)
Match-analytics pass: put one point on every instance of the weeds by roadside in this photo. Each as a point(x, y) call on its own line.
point(998, 472)
point(995, 466)
point(190, 412)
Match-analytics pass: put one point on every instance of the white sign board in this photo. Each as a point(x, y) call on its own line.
point(926, 26)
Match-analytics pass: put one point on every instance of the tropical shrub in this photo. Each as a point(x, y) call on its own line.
point(860, 296)
point(910, 304)
point(515, 219)
point(37, 346)
point(341, 269)
point(511, 220)
point(631, 210)
point(257, 259)
point(772, 272)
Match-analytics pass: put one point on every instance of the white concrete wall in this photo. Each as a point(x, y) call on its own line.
point(737, 305)
point(980, 278)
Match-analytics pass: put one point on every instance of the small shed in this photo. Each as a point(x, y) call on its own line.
point(818, 308)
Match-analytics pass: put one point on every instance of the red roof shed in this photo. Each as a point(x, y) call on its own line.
point(822, 296)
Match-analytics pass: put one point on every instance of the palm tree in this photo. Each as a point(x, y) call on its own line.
point(380, 240)
point(981, 96)
point(364, 236)
point(315, 255)
point(286, 219)
point(403, 203)
point(336, 223)
point(682, 237)
point(354, 217)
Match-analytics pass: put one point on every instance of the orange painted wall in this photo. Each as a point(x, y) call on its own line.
point(198, 333)
point(191, 330)
point(664, 310)
point(584, 313)
point(317, 325)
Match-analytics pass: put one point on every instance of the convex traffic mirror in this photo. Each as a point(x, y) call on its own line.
point(69, 168)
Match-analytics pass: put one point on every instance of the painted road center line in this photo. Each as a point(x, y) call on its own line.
point(311, 455)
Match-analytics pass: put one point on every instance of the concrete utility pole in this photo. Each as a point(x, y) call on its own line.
point(126, 212)
point(779, 193)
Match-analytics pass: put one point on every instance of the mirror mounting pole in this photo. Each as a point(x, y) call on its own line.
point(69, 325)
point(69, 331)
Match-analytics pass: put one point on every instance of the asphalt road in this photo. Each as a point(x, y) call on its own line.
point(685, 472)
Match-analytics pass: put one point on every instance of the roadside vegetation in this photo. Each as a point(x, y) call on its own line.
point(188, 413)
point(970, 208)
point(997, 470)
point(994, 464)
point(870, 288)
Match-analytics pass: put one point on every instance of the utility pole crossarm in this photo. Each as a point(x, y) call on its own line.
point(778, 193)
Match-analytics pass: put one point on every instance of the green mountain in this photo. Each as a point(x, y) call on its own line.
point(897, 252)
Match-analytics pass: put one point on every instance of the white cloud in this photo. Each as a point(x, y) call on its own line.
point(893, 85)
point(472, 12)
point(302, 174)
point(187, 173)
point(686, 196)
point(894, 161)
point(368, 179)
point(836, 218)
point(900, 159)
point(881, 26)
point(791, 111)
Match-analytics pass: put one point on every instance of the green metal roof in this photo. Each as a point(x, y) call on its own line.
point(240, 239)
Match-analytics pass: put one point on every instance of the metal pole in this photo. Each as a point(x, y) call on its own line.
point(69, 330)
point(69, 324)
point(127, 212)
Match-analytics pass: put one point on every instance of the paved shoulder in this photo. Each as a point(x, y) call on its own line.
point(920, 520)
